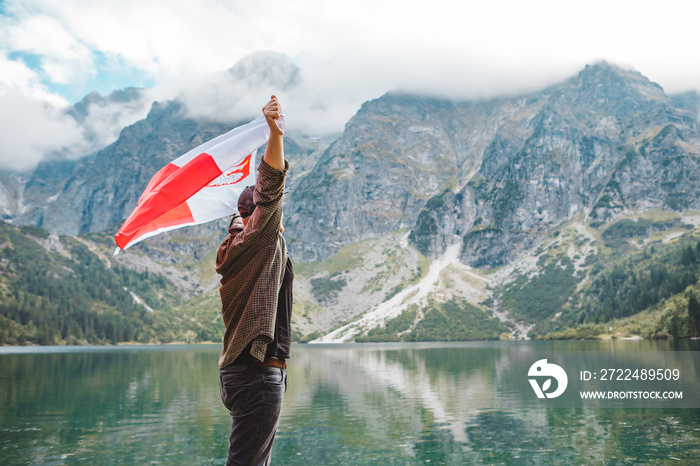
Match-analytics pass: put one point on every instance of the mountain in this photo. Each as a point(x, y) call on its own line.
point(435, 219)
point(498, 175)
point(23, 196)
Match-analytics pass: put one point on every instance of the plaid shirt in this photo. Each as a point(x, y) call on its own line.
point(251, 262)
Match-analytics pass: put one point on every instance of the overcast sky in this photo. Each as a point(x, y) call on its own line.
point(54, 52)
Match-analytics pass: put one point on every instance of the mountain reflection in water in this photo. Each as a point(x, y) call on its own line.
point(443, 403)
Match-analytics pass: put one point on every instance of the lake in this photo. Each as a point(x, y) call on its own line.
point(349, 404)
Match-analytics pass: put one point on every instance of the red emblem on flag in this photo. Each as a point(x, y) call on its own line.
point(234, 175)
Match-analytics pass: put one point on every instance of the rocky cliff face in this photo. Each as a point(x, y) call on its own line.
point(498, 175)
point(576, 143)
point(394, 155)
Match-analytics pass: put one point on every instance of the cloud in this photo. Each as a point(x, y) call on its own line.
point(313, 107)
point(320, 94)
point(344, 53)
point(34, 122)
point(30, 130)
point(61, 57)
point(506, 39)
point(101, 119)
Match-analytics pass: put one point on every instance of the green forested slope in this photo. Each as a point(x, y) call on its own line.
point(651, 293)
point(67, 290)
point(56, 291)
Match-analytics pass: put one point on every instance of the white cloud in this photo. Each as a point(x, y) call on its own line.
point(347, 52)
point(326, 92)
point(105, 119)
point(30, 130)
point(62, 57)
point(316, 99)
point(34, 123)
point(15, 76)
point(172, 37)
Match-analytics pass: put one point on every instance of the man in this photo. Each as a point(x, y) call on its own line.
point(256, 305)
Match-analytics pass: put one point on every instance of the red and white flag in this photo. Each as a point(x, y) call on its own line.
point(198, 187)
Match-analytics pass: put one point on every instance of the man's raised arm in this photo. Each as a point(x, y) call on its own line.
point(274, 154)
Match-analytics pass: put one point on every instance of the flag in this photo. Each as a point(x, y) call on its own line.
point(199, 186)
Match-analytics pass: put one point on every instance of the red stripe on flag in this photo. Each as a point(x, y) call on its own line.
point(157, 179)
point(169, 188)
point(177, 216)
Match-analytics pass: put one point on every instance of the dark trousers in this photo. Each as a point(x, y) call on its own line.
point(253, 395)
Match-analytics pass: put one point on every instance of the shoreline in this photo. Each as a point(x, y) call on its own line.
point(133, 344)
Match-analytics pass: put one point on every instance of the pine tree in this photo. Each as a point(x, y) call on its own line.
point(694, 313)
point(674, 326)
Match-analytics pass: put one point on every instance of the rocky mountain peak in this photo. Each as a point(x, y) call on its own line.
point(604, 74)
point(81, 110)
point(266, 68)
point(610, 88)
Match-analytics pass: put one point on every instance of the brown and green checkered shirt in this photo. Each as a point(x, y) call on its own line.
point(251, 262)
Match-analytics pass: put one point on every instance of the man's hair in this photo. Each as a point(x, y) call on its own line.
point(246, 206)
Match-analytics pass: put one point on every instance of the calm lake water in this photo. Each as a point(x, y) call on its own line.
point(438, 403)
